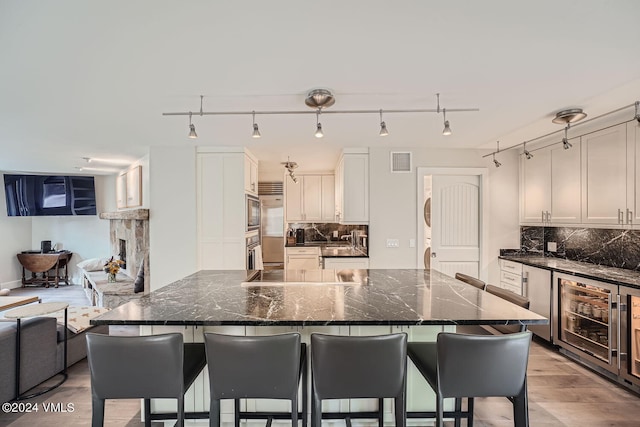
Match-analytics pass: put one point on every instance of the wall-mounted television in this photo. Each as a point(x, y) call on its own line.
point(48, 195)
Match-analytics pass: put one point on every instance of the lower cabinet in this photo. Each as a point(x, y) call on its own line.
point(343, 263)
point(538, 290)
point(302, 258)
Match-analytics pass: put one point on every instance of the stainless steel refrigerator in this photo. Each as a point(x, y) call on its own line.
point(272, 230)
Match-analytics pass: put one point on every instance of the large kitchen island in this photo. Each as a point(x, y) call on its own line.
point(421, 303)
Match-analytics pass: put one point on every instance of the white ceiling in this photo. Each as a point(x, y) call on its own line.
point(92, 78)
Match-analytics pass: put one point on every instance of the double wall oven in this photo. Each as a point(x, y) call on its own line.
point(600, 323)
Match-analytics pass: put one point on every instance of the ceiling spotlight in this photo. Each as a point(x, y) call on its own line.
point(192, 129)
point(569, 116)
point(447, 129)
point(256, 132)
point(319, 133)
point(565, 141)
point(383, 126)
point(495, 162)
point(527, 154)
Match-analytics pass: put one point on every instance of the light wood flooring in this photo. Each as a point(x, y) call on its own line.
point(561, 392)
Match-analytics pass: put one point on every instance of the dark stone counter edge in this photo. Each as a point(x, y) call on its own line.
point(523, 260)
point(96, 322)
point(344, 256)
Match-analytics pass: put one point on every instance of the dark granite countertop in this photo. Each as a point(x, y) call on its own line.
point(335, 249)
point(318, 297)
point(614, 275)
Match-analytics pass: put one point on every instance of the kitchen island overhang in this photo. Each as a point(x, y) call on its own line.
point(401, 297)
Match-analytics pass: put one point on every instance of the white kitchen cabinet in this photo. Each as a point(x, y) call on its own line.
point(604, 176)
point(352, 196)
point(250, 175)
point(342, 263)
point(305, 258)
point(633, 174)
point(311, 199)
point(511, 276)
point(550, 186)
point(538, 289)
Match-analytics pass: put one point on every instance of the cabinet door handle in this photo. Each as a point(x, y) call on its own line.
point(542, 216)
point(629, 216)
point(620, 218)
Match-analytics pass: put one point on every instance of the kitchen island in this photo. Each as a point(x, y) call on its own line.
point(318, 298)
point(421, 303)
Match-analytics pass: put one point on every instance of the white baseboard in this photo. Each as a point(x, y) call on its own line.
point(11, 285)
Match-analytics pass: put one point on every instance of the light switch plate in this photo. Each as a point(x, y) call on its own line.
point(393, 243)
point(412, 243)
point(552, 246)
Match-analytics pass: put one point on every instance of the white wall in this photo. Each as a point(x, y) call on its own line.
point(172, 214)
point(393, 196)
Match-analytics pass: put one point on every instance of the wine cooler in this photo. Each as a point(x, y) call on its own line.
point(588, 320)
point(630, 335)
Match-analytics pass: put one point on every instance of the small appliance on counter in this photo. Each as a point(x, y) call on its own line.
point(300, 236)
point(291, 237)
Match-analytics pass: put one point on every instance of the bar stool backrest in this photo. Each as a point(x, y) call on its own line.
point(259, 367)
point(482, 365)
point(471, 280)
point(509, 296)
point(124, 367)
point(358, 367)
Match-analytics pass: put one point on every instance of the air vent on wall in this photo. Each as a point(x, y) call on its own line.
point(400, 161)
point(272, 188)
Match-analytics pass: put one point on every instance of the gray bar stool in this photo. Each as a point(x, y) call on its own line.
point(471, 280)
point(471, 366)
point(513, 298)
point(256, 367)
point(155, 366)
point(344, 367)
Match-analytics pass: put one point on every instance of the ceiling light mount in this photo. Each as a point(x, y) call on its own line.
point(571, 115)
point(320, 98)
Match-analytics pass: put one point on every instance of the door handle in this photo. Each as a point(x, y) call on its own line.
point(629, 216)
point(620, 217)
point(433, 254)
point(542, 216)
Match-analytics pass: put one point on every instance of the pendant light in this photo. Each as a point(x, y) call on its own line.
point(447, 130)
point(192, 129)
point(256, 131)
point(383, 126)
point(319, 133)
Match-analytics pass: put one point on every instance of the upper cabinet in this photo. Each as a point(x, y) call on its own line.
point(597, 181)
point(311, 199)
point(129, 188)
point(352, 189)
point(551, 186)
point(604, 176)
point(250, 174)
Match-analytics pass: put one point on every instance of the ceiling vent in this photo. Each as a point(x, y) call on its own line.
point(400, 161)
point(270, 188)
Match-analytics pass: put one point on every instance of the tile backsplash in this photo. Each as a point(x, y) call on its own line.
point(610, 247)
point(323, 232)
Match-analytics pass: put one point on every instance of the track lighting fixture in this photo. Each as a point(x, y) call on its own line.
point(256, 132)
point(638, 111)
point(527, 154)
point(319, 133)
point(290, 166)
point(565, 141)
point(192, 129)
point(447, 129)
point(495, 162)
point(383, 126)
point(320, 100)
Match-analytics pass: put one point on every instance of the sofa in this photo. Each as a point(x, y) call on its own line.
point(41, 354)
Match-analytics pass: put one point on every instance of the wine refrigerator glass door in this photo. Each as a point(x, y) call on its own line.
point(630, 334)
point(588, 319)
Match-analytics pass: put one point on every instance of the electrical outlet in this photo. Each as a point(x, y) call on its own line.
point(412, 243)
point(552, 246)
point(393, 243)
point(335, 234)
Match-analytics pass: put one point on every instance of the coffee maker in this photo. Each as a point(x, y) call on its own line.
point(300, 236)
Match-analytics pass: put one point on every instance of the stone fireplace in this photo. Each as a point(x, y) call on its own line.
point(129, 236)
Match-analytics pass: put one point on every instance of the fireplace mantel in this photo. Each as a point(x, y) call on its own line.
point(136, 214)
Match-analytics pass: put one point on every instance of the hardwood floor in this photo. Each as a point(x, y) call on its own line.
point(561, 392)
